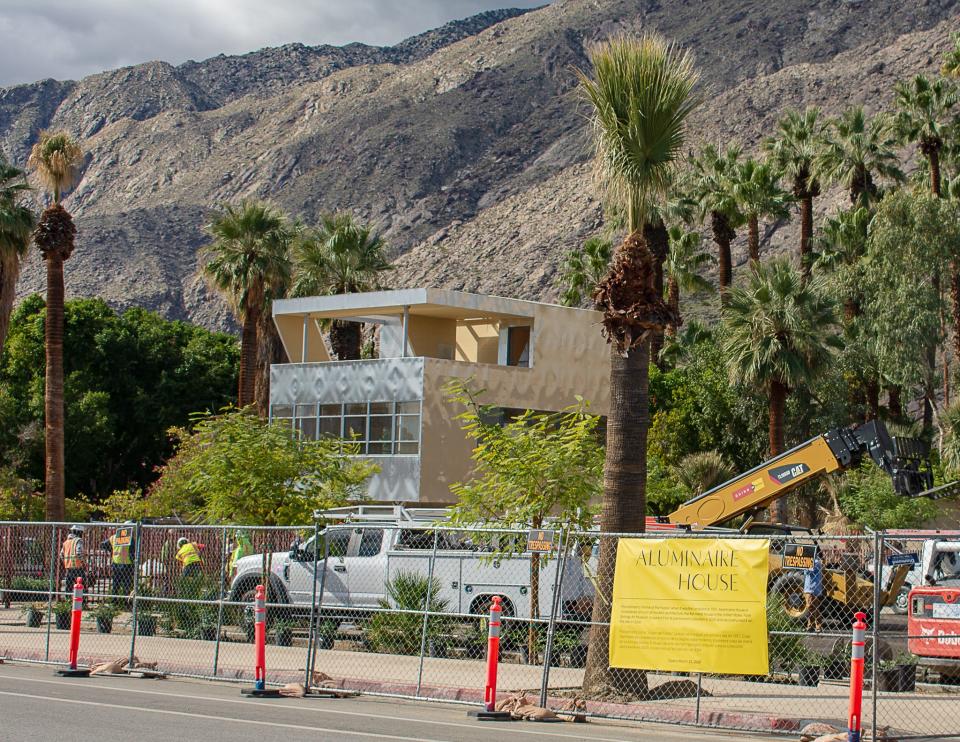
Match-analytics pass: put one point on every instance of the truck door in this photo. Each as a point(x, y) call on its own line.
point(366, 566)
point(335, 588)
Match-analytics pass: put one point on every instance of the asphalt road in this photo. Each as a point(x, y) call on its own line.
point(36, 705)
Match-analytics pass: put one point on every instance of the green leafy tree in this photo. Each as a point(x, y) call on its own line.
point(248, 262)
point(757, 191)
point(640, 94)
point(778, 335)
point(237, 468)
point(685, 260)
point(340, 256)
point(533, 467)
point(857, 152)
point(713, 179)
point(16, 225)
point(795, 150)
point(868, 499)
point(57, 160)
point(912, 237)
point(583, 268)
point(128, 378)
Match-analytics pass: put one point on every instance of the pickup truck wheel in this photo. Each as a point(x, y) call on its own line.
point(274, 613)
point(789, 588)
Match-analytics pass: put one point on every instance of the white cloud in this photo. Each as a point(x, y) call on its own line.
point(68, 39)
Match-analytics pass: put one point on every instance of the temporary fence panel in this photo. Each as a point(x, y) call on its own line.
point(402, 611)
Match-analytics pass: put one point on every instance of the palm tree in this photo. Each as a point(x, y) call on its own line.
point(582, 269)
point(794, 151)
point(16, 224)
point(757, 191)
point(640, 92)
point(712, 188)
point(951, 60)
point(340, 257)
point(857, 151)
point(778, 332)
point(248, 261)
point(924, 118)
point(57, 159)
point(702, 471)
point(684, 262)
point(840, 246)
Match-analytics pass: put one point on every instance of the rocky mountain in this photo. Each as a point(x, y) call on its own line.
point(467, 145)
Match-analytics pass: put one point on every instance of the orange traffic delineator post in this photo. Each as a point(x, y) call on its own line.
point(857, 646)
point(73, 671)
point(493, 658)
point(259, 689)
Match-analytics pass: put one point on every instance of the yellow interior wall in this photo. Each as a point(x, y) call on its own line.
point(426, 334)
point(477, 342)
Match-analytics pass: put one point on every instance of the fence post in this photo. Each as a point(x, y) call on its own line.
point(223, 579)
point(138, 552)
point(53, 586)
point(323, 576)
point(556, 605)
point(426, 609)
point(311, 635)
point(878, 546)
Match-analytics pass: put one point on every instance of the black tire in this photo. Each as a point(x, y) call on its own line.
point(789, 588)
point(578, 656)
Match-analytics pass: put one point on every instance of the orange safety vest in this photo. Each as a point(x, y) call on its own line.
point(72, 560)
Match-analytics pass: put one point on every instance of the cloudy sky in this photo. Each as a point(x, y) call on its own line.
point(67, 39)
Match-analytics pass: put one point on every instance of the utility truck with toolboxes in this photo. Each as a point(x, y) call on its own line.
point(364, 548)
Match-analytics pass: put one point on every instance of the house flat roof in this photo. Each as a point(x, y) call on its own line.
point(442, 303)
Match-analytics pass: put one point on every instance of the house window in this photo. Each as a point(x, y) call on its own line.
point(378, 428)
point(518, 346)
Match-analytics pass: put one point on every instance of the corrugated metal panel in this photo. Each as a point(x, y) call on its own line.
point(398, 480)
point(379, 380)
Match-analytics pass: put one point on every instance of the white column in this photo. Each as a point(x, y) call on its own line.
point(306, 329)
point(405, 331)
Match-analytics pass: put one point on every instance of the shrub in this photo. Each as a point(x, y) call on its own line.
point(390, 632)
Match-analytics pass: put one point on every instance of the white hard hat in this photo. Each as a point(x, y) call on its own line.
point(181, 541)
point(76, 529)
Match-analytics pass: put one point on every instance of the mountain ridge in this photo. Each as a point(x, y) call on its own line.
point(470, 152)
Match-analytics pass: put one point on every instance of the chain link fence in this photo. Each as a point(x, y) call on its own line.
point(401, 611)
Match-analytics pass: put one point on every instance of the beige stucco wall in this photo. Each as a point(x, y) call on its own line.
point(570, 358)
point(290, 328)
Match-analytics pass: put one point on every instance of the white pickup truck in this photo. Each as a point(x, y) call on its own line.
point(363, 558)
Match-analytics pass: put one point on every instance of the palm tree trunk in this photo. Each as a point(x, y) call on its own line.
point(270, 350)
point(248, 355)
point(873, 399)
point(933, 157)
point(9, 273)
point(806, 234)
point(723, 234)
point(753, 238)
point(53, 396)
point(658, 243)
point(624, 507)
point(894, 406)
point(673, 301)
point(346, 339)
point(778, 403)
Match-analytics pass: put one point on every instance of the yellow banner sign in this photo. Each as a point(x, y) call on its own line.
point(690, 605)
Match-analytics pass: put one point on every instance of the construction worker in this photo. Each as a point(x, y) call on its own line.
point(123, 548)
point(74, 565)
point(243, 548)
point(812, 593)
point(189, 557)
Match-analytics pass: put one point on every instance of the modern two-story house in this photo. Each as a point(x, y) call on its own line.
point(525, 355)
